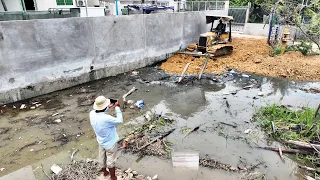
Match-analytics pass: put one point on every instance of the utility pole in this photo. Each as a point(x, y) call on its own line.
point(4, 5)
point(117, 11)
point(86, 7)
point(23, 5)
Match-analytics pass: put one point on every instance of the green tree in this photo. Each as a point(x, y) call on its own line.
point(306, 17)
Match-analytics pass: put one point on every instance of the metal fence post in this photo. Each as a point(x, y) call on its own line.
point(198, 5)
point(192, 6)
point(205, 6)
point(216, 5)
point(248, 13)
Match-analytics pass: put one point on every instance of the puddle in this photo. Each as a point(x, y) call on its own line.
point(29, 136)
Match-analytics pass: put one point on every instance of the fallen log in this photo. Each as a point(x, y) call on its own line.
point(232, 125)
point(287, 150)
point(308, 168)
point(303, 144)
point(158, 138)
point(280, 153)
point(309, 178)
point(191, 131)
point(183, 72)
point(315, 148)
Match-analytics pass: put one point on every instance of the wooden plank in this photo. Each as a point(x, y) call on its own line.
point(303, 144)
point(183, 72)
point(204, 67)
point(280, 153)
point(196, 54)
point(190, 53)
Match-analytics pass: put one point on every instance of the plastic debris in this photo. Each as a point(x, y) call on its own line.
point(128, 171)
point(248, 87)
point(245, 76)
point(140, 104)
point(56, 169)
point(23, 106)
point(148, 115)
point(135, 73)
point(33, 107)
point(130, 101)
point(55, 114)
point(31, 150)
point(155, 177)
point(2, 169)
point(261, 94)
point(247, 131)
point(57, 120)
point(233, 92)
point(130, 175)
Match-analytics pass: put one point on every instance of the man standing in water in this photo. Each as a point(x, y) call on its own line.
point(104, 126)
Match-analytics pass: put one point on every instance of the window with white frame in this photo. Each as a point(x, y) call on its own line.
point(64, 2)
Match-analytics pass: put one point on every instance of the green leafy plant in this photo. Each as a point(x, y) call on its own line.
point(283, 117)
point(274, 51)
point(304, 47)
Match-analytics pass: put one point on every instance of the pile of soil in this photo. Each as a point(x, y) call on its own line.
point(253, 56)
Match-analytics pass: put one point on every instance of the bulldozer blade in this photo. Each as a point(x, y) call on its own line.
point(220, 50)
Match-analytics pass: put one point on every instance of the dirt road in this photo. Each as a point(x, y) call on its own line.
point(251, 55)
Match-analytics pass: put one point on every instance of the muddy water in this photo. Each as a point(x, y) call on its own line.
point(34, 136)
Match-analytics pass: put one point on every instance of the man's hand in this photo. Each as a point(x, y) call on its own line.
point(117, 104)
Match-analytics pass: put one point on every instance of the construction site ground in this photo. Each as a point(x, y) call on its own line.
point(46, 130)
point(251, 55)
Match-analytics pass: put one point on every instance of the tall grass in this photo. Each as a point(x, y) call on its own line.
point(285, 118)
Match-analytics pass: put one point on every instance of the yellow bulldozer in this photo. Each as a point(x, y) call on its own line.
point(217, 42)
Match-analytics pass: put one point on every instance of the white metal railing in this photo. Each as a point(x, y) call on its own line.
point(204, 5)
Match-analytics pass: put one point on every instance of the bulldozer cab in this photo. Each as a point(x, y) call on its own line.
point(219, 26)
point(217, 41)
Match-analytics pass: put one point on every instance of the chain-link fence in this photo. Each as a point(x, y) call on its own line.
point(204, 5)
point(239, 15)
point(28, 15)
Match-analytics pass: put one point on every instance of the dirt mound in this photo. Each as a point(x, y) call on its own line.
point(252, 56)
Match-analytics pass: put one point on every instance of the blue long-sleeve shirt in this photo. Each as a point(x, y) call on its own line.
point(104, 126)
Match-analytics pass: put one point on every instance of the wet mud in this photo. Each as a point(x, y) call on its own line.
point(48, 126)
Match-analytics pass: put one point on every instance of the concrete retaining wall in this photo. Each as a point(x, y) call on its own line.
point(256, 29)
point(42, 56)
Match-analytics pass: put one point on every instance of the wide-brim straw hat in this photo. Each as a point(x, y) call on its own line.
point(101, 103)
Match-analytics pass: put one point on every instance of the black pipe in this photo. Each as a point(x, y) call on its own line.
point(230, 39)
